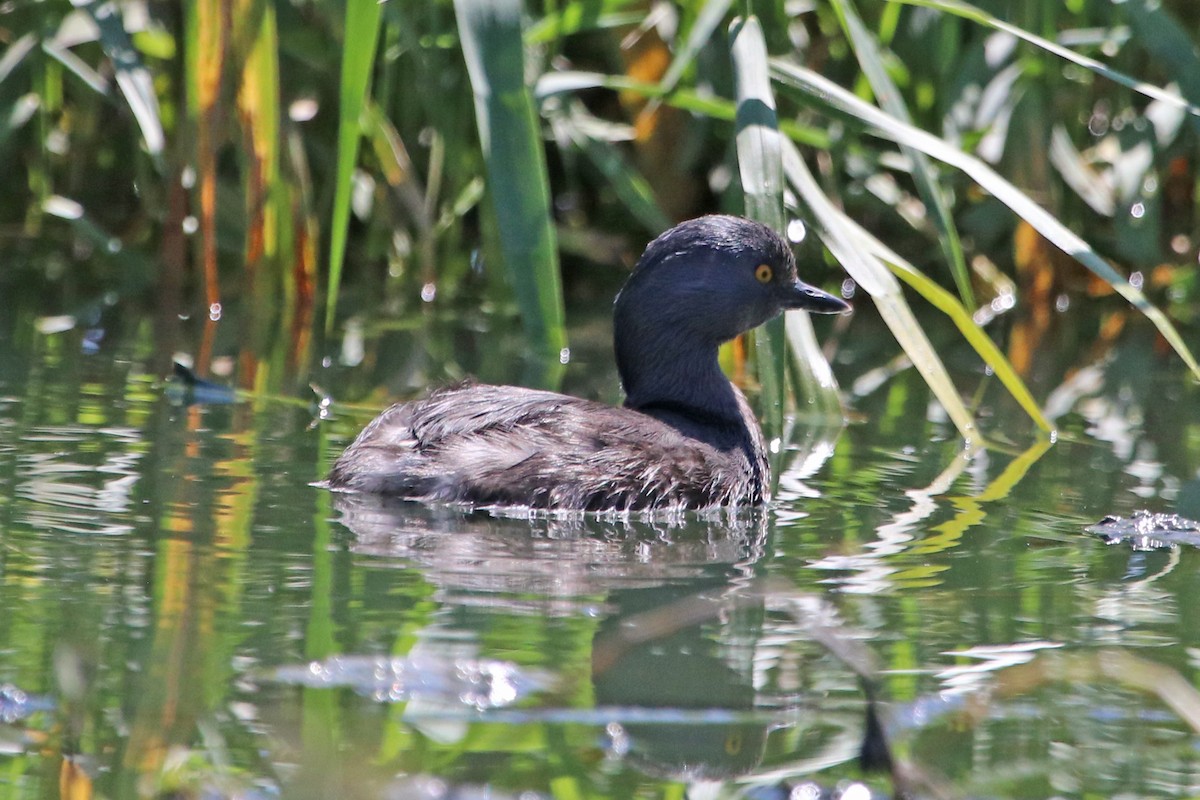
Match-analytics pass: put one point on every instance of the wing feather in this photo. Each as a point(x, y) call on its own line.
point(508, 446)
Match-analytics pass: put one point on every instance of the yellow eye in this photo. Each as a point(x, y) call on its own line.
point(764, 273)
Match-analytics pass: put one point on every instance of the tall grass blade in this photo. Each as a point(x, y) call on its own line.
point(761, 169)
point(629, 185)
point(759, 148)
point(710, 16)
point(949, 305)
point(876, 280)
point(516, 168)
point(1167, 40)
point(698, 102)
point(15, 53)
point(132, 76)
point(978, 15)
point(204, 63)
point(358, 58)
point(881, 124)
point(300, 249)
point(924, 174)
point(760, 164)
point(267, 206)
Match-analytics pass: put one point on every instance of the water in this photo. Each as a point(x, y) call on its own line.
point(184, 615)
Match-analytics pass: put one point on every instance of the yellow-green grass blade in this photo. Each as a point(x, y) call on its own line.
point(511, 139)
point(268, 206)
point(706, 22)
point(924, 174)
point(978, 15)
point(875, 278)
point(949, 305)
point(760, 165)
point(204, 65)
point(881, 124)
point(358, 59)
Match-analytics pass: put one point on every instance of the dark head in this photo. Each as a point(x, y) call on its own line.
point(702, 283)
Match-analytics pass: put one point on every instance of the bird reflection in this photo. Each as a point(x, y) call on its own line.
point(676, 607)
point(551, 564)
point(695, 678)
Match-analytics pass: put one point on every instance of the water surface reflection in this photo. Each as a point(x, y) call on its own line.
point(158, 562)
point(488, 569)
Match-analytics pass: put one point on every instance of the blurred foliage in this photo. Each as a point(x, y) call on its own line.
point(205, 153)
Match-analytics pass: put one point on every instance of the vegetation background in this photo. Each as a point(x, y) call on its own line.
point(310, 169)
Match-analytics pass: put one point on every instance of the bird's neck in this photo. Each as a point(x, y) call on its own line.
point(674, 379)
point(687, 391)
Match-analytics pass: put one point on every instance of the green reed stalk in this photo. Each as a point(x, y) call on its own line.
point(358, 59)
point(511, 139)
point(760, 162)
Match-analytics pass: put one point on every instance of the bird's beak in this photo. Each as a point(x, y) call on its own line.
point(810, 298)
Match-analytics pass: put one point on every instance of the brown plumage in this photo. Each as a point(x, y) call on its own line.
point(686, 437)
point(509, 446)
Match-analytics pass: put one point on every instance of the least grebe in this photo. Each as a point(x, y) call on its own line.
point(686, 437)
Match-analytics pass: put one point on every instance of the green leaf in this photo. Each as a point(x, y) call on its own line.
point(978, 15)
point(517, 179)
point(133, 78)
point(879, 123)
point(358, 58)
point(873, 276)
point(760, 164)
point(707, 20)
point(866, 50)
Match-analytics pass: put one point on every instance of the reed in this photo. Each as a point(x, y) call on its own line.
point(601, 117)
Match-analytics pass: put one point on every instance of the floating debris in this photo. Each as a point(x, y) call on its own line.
point(188, 387)
point(1144, 530)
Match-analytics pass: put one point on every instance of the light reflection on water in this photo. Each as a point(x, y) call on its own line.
point(168, 556)
point(67, 495)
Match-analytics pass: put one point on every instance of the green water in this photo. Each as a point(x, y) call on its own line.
point(167, 573)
